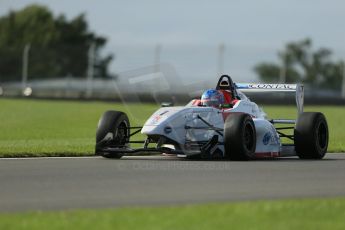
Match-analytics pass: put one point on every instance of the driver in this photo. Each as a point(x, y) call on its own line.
point(213, 98)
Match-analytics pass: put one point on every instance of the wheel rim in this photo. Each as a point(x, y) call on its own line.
point(321, 134)
point(248, 137)
point(121, 133)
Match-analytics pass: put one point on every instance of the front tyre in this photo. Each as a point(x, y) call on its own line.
point(311, 135)
point(239, 137)
point(112, 131)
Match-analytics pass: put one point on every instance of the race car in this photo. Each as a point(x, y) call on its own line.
point(223, 123)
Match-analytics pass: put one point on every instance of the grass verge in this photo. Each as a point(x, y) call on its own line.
point(61, 128)
point(286, 214)
point(56, 128)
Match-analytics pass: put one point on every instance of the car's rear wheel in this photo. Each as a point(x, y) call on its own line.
point(239, 137)
point(112, 131)
point(311, 135)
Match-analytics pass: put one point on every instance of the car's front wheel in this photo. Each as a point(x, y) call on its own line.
point(112, 131)
point(239, 137)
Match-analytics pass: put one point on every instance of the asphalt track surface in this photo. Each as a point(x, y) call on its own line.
point(94, 182)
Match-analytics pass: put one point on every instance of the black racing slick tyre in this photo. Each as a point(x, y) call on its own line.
point(112, 131)
point(239, 137)
point(311, 136)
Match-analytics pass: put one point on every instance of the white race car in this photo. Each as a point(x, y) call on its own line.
point(237, 129)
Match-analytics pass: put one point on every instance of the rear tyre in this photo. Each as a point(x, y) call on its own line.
point(112, 131)
point(239, 137)
point(311, 135)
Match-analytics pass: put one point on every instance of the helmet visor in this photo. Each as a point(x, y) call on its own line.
point(213, 103)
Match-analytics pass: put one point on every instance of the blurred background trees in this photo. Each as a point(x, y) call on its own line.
point(298, 62)
point(59, 47)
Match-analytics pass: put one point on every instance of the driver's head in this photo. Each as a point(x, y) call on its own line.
point(212, 97)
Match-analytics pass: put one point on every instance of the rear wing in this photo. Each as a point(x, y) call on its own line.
point(298, 89)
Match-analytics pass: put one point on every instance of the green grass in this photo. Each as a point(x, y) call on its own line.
point(335, 116)
point(60, 128)
point(56, 128)
point(286, 214)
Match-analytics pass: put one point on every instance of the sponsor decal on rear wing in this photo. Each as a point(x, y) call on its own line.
point(298, 89)
point(266, 87)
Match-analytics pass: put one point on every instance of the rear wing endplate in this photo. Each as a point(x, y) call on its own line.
point(298, 89)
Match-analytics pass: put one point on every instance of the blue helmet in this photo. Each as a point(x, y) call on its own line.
point(212, 97)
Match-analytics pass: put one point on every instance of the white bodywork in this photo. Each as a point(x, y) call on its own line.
point(173, 122)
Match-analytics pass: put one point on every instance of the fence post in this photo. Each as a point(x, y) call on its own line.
point(343, 85)
point(282, 72)
point(157, 58)
point(25, 66)
point(90, 70)
point(221, 51)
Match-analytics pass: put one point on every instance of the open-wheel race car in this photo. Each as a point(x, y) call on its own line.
point(223, 123)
